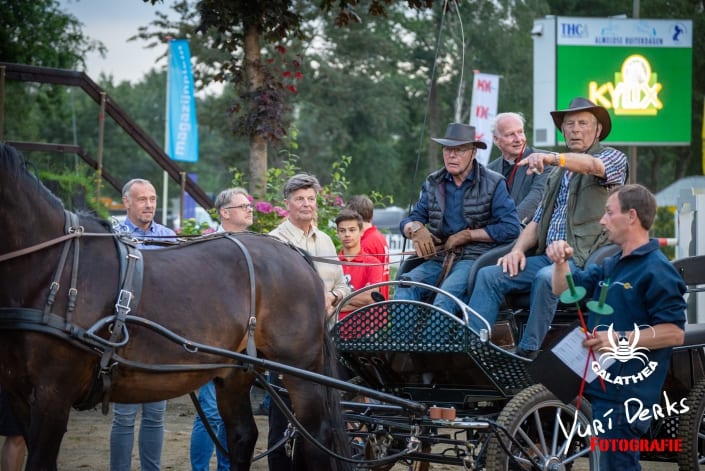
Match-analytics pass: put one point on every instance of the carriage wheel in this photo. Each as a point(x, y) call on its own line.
point(691, 430)
point(531, 417)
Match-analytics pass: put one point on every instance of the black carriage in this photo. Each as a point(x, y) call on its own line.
point(485, 410)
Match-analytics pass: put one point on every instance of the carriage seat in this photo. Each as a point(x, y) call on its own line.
point(692, 270)
point(694, 335)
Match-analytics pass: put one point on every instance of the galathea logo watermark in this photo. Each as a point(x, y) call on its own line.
point(623, 348)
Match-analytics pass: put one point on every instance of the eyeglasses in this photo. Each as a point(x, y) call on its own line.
point(456, 150)
point(245, 207)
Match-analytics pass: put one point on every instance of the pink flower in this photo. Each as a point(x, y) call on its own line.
point(339, 201)
point(292, 88)
point(287, 74)
point(298, 75)
point(209, 230)
point(281, 212)
point(263, 207)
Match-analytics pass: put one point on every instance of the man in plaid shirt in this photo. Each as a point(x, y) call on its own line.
point(571, 209)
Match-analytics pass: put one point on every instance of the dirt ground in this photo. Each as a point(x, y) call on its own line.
point(86, 443)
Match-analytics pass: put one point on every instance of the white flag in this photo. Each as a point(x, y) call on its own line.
point(485, 95)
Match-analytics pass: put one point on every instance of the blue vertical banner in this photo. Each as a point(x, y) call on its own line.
point(182, 128)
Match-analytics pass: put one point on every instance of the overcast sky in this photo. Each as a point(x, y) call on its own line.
point(112, 22)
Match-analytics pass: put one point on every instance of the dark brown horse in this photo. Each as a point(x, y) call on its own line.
point(200, 291)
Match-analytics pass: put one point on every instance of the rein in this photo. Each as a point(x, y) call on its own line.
point(73, 233)
point(335, 261)
point(43, 245)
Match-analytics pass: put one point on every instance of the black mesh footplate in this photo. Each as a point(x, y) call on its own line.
point(404, 326)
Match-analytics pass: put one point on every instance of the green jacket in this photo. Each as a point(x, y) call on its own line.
point(583, 229)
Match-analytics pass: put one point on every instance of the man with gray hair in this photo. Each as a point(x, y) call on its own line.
point(300, 193)
point(235, 210)
point(526, 190)
point(140, 200)
point(234, 207)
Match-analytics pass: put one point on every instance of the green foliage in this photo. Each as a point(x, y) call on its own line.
point(76, 190)
point(665, 226)
point(192, 228)
point(39, 33)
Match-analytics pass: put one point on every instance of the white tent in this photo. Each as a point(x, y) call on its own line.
point(669, 195)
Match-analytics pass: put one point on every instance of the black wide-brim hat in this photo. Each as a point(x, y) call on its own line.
point(583, 104)
point(458, 134)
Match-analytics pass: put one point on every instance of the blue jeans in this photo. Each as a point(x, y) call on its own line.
point(456, 283)
point(492, 284)
point(150, 440)
point(620, 460)
point(201, 443)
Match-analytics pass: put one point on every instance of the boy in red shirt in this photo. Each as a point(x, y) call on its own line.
point(372, 241)
point(349, 228)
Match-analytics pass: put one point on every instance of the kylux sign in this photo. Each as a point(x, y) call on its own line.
point(640, 70)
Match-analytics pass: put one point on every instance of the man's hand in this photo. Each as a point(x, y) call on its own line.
point(535, 162)
point(599, 340)
point(513, 262)
point(458, 240)
point(559, 251)
point(424, 242)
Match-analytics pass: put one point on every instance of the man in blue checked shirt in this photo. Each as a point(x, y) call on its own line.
point(140, 200)
point(571, 209)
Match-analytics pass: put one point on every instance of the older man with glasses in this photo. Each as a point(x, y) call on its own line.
point(235, 210)
point(464, 209)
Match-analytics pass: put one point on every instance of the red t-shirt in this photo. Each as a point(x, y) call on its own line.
point(359, 276)
point(373, 242)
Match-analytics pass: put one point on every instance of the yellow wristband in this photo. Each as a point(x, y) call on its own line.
point(561, 160)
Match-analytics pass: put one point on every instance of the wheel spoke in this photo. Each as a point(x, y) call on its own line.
point(530, 443)
point(539, 432)
point(556, 431)
point(570, 458)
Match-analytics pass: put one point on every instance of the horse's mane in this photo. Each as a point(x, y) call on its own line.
point(14, 166)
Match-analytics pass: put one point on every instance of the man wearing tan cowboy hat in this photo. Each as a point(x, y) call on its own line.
point(571, 209)
point(465, 209)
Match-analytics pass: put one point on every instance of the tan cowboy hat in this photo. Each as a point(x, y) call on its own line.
point(583, 104)
point(458, 134)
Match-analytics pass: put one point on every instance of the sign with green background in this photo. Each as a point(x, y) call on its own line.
point(640, 70)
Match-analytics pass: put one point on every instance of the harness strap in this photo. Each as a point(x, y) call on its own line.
point(252, 322)
point(119, 335)
point(73, 291)
point(71, 219)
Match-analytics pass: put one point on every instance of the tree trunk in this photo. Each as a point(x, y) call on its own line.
point(255, 77)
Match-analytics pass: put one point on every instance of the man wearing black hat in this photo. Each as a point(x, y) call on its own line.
point(464, 209)
point(573, 204)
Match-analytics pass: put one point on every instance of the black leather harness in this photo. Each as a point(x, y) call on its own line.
point(131, 277)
